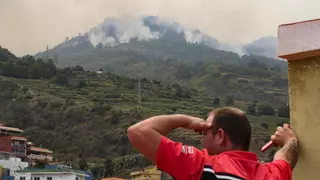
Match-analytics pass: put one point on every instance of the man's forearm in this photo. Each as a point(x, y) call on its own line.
point(164, 124)
point(289, 152)
point(145, 136)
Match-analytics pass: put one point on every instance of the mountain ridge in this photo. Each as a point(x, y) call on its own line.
point(118, 30)
point(165, 51)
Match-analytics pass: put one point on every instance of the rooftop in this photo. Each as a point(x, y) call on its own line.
point(144, 170)
point(2, 127)
point(18, 138)
point(299, 40)
point(43, 171)
point(36, 149)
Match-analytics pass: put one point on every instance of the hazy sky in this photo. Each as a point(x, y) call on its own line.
point(27, 26)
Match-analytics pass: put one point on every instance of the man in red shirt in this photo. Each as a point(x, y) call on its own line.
point(226, 141)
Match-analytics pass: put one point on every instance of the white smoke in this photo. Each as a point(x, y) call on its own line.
point(97, 35)
point(122, 30)
point(114, 31)
point(128, 27)
point(169, 24)
point(193, 37)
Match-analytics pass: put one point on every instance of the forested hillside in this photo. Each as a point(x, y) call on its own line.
point(168, 52)
point(83, 115)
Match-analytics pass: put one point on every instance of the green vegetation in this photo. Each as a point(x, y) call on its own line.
point(83, 115)
point(170, 59)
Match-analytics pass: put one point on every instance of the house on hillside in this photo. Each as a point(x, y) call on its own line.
point(51, 174)
point(13, 143)
point(146, 173)
point(9, 165)
point(37, 154)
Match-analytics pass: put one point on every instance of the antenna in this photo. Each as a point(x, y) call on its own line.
point(47, 52)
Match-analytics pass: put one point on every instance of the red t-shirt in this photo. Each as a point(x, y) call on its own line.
point(189, 163)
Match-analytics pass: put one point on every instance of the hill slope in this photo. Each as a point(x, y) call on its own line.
point(168, 52)
point(92, 120)
point(265, 46)
point(83, 114)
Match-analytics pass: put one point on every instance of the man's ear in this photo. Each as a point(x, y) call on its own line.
point(221, 136)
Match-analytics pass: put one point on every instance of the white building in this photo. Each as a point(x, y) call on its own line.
point(11, 165)
point(50, 174)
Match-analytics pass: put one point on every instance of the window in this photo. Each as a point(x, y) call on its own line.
point(22, 178)
point(6, 172)
point(16, 143)
point(49, 178)
point(36, 178)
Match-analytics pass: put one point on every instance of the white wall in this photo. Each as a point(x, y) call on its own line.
point(13, 164)
point(55, 176)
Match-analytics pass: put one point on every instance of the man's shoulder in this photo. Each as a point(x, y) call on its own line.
point(278, 164)
point(277, 169)
point(230, 165)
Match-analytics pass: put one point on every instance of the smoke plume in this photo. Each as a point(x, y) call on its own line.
point(28, 26)
point(114, 31)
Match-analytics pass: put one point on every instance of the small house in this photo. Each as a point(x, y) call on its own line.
point(50, 174)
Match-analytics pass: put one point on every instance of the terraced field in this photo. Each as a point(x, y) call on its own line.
point(118, 93)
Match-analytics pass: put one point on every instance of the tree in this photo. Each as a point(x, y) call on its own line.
point(266, 109)
point(62, 79)
point(78, 68)
point(129, 84)
point(82, 84)
point(96, 172)
point(230, 101)
point(174, 109)
point(264, 125)
point(108, 167)
point(182, 93)
point(251, 109)
point(83, 165)
point(216, 101)
point(284, 111)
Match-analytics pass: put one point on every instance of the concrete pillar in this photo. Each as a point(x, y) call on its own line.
point(299, 44)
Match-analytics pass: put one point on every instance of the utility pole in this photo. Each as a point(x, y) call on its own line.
point(139, 91)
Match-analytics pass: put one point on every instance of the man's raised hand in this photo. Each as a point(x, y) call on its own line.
point(198, 125)
point(283, 135)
